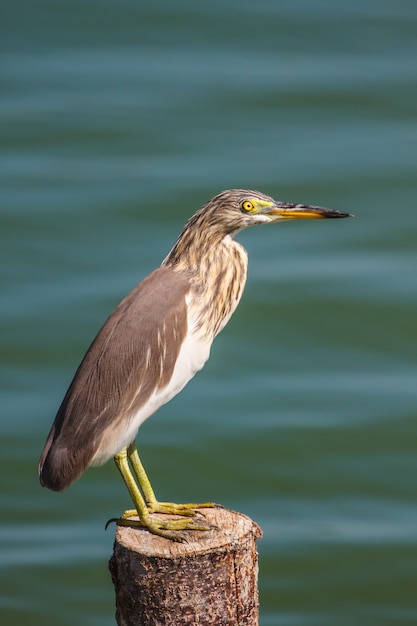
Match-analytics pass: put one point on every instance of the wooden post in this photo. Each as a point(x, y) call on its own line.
point(210, 579)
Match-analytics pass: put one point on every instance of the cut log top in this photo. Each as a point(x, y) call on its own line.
point(229, 529)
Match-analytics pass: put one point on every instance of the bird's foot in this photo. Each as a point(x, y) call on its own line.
point(161, 527)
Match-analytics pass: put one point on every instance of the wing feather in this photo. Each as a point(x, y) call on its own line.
point(133, 355)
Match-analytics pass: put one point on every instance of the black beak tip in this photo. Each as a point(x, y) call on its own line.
point(334, 213)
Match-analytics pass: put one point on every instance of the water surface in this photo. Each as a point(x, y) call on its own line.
point(118, 121)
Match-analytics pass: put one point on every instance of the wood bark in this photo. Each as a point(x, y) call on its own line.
point(209, 579)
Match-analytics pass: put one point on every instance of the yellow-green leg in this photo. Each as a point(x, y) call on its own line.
point(147, 504)
point(154, 506)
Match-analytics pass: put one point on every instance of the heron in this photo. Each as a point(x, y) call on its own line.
point(149, 348)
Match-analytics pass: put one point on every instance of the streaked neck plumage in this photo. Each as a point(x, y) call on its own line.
point(216, 266)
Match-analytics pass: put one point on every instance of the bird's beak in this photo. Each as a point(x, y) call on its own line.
point(288, 211)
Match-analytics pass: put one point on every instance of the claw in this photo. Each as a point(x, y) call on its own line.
point(110, 521)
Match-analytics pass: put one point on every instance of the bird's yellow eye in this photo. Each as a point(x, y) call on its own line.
point(248, 206)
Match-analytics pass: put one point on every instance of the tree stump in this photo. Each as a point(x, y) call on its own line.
point(209, 579)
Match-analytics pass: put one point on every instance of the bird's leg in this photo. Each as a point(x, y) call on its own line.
point(153, 505)
point(146, 519)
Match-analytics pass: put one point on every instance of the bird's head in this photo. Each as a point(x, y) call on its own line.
point(236, 209)
point(230, 212)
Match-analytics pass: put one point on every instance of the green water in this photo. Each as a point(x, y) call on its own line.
point(117, 121)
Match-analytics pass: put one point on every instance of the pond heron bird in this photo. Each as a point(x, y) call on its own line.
point(151, 346)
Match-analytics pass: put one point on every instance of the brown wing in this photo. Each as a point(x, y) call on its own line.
point(119, 372)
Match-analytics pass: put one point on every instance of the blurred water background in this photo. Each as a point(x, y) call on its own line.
point(117, 121)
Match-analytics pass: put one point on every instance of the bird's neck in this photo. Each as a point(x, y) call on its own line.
point(216, 267)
